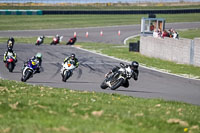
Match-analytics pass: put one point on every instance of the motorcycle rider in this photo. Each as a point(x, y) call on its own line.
point(135, 72)
point(10, 42)
point(58, 38)
point(38, 59)
point(72, 59)
point(41, 39)
point(10, 52)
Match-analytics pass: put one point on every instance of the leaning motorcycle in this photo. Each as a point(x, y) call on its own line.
point(39, 41)
point(28, 70)
point(10, 63)
point(67, 71)
point(56, 40)
point(116, 79)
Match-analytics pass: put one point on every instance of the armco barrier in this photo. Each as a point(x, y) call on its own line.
point(184, 51)
point(21, 12)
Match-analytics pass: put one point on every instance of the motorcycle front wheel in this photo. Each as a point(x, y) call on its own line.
point(66, 76)
point(27, 76)
point(10, 67)
point(104, 85)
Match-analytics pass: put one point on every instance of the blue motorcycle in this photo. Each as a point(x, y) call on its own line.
point(28, 70)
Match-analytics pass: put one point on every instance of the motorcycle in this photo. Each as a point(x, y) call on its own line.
point(71, 41)
point(56, 40)
point(116, 79)
point(28, 70)
point(40, 40)
point(10, 63)
point(67, 71)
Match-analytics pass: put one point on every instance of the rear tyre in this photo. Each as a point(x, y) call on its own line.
point(117, 84)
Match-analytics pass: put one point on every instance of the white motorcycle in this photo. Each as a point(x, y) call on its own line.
point(67, 71)
point(40, 40)
point(116, 79)
point(56, 40)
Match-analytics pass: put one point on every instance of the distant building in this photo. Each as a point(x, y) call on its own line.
point(148, 25)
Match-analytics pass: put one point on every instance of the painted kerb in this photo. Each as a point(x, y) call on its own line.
point(184, 51)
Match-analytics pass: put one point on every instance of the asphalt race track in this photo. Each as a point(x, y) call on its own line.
point(90, 74)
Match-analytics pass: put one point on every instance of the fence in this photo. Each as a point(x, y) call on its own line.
point(184, 51)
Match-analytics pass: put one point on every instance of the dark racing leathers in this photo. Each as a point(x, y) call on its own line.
point(38, 61)
point(134, 75)
point(72, 61)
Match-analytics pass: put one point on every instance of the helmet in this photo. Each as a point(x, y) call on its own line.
point(57, 35)
point(135, 64)
point(38, 56)
point(72, 56)
point(11, 38)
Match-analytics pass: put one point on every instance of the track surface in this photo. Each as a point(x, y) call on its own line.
point(90, 74)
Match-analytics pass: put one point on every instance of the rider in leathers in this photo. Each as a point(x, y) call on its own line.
point(10, 52)
point(10, 43)
point(135, 72)
point(72, 59)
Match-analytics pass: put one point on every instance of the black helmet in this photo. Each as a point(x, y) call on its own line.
point(135, 64)
point(73, 56)
point(12, 39)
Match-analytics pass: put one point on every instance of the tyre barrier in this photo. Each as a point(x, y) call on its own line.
point(21, 12)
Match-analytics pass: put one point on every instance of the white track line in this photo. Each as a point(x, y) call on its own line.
point(153, 69)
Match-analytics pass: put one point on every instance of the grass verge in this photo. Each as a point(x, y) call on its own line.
point(27, 108)
point(123, 53)
point(190, 34)
point(25, 22)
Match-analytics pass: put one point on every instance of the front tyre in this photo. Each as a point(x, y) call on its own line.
point(117, 84)
point(52, 43)
point(10, 67)
point(27, 76)
point(66, 76)
point(104, 85)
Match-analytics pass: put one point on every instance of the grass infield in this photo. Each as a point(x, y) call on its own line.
point(34, 22)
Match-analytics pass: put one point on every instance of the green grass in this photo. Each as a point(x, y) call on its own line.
point(190, 34)
point(25, 22)
point(123, 53)
point(29, 109)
